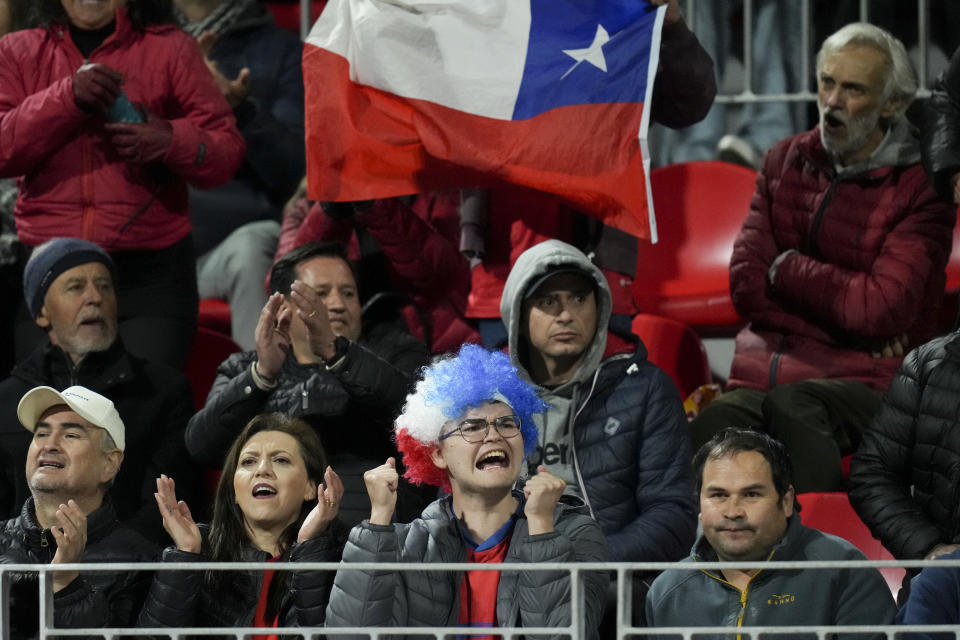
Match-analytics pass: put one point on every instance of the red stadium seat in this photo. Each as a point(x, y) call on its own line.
point(950, 309)
point(209, 349)
point(675, 348)
point(700, 208)
point(215, 315)
point(831, 513)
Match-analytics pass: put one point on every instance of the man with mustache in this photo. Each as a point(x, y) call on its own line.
point(839, 265)
point(68, 284)
point(317, 359)
point(748, 514)
point(77, 443)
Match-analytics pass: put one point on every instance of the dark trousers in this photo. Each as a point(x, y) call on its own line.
point(819, 422)
point(156, 304)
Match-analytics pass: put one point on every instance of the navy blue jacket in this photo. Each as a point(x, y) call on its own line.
point(934, 598)
point(633, 451)
point(271, 117)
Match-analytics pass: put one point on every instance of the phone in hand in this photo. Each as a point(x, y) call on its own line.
point(123, 110)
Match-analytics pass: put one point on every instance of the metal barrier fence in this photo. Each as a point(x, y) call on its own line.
point(621, 571)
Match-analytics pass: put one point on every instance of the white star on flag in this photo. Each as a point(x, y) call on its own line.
point(592, 54)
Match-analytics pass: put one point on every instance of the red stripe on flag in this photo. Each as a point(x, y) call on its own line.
point(363, 143)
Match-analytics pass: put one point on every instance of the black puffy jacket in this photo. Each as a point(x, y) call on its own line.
point(183, 598)
point(941, 130)
point(905, 478)
point(154, 402)
point(95, 599)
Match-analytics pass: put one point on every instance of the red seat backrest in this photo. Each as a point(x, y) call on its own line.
point(832, 513)
point(209, 349)
point(675, 348)
point(700, 208)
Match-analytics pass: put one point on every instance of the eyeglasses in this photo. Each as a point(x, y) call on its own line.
point(476, 429)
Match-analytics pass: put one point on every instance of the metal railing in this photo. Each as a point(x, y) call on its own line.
point(621, 571)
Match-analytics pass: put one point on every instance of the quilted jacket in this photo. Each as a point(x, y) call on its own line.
point(94, 599)
point(431, 598)
point(73, 182)
point(183, 598)
point(905, 477)
point(868, 246)
point(941, 129)
point(154, 402)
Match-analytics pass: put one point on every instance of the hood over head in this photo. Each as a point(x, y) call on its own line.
point(545, 259)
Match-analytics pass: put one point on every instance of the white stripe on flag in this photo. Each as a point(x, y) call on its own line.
point(468, 55)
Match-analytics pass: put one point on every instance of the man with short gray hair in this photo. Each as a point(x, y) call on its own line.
point(839, 265)
point(76, 451)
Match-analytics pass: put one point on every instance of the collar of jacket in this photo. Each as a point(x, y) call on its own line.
point(703, 552)
point(899, 148)
point(952, 346)
point(100, 523)
point(124, 34)
point(50, 365)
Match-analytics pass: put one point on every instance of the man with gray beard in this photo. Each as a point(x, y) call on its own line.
point(839, 266)
point(68, 284)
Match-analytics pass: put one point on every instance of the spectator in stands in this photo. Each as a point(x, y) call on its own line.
point(615, 431)
point(256, 66)
point(941, 133)
point(315, 360)
point(107, 110)
point(904, 477)
point(419, 242)
point(467, 428)
point(68, 285)
point(839, 265)
point(934, 599)
point(277, 500)
point(75, 452)
point(747, 512)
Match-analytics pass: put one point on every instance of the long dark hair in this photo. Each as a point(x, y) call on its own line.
point(228, 535)
point(142, 13)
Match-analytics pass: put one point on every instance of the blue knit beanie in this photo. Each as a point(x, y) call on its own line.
point(52, 258)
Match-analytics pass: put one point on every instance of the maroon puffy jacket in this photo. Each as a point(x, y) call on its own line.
point(869, 251)
point(73, 183)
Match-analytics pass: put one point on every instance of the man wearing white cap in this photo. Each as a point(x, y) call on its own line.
point(69, 287)
point(76, 450)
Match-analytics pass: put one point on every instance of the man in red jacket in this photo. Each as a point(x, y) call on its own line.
point(839, 265)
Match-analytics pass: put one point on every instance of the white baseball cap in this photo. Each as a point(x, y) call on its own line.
point(89, 405)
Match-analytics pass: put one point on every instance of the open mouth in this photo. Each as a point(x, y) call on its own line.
point(262, 491)
point(92, 322)
point(832, 121)
point(493, 460)
point(50, 464)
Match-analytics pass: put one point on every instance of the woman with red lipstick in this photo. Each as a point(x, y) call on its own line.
point(277, 500)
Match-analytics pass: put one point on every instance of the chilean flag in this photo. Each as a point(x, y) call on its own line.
point(408, 96)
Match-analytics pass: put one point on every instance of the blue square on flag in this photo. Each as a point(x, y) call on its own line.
point(585, 52)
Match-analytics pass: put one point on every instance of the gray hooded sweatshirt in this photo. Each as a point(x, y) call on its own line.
point(555, 427)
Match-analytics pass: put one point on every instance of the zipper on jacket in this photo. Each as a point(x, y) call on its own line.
point(43, 539)
point(744, 594)
point(813, 244)
point(573, 446)
point(303, 396)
